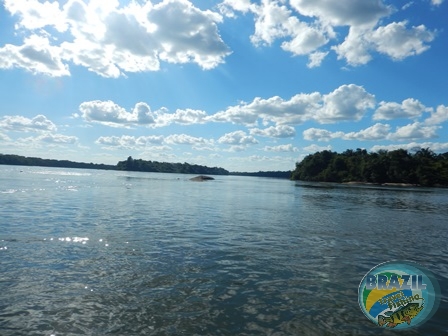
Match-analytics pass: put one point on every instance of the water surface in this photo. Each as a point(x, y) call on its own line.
point(89, 252)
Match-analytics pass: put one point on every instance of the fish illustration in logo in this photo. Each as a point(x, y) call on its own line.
point(404, 314)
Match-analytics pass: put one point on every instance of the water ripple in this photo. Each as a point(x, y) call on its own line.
point(240, 257)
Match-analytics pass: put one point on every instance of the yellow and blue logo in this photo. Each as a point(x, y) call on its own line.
point(399, 295)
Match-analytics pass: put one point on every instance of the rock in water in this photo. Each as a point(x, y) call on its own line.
point(201, 178)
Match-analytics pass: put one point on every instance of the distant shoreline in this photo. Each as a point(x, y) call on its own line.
point(388, 184)
point(137, 165)
point(371, 184)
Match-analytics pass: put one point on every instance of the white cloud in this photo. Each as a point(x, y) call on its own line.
point(348, 102)
point(438, 116)
point(4, 137)
point(355, 49)
point(110, 39)
point(394, 40)
point(183, 117)
point(315, 148)
point(398, 42)
point(47, 139)
point(57, 139)
point(270, 22)
point(129, 142)
point(34, 14)
point(317, 134)
point(316, 59)
point(343, 12)
point(184, 139)
point(305, 39)
point(275, 19)
point(111, 114)
point(409, 108)
point(244, 114)
point(237, 138)
point(23, 124)
point(279, 131)
point(35, 55)
point(408, 5)
point(437, 2)
point(414, 131)
point(375, 132)
point(236, 148)
point(228, 7)
point(434, 146)
point(281, 148)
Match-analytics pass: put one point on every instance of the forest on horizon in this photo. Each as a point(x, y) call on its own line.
point(422, 168)
point(131, 164)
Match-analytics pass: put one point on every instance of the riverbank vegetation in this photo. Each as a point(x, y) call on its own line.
point(165, 167)
point(17, 160)
point(423, 167)
point(130, 164)
point(274, 174)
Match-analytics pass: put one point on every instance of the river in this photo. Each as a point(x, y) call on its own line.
point(91, 252)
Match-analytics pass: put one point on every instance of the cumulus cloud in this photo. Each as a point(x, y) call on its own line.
point(315, 148)
point(57, 139)
point(237, 138)
point(316, 59)
point(434, 146)
point(154, 142)
point(35, 55)
point(318, 134)
point(111, 114)
point(343, 12)
point(110, 39)
point(398, 42)
point(47, 139)
point(24, 124)
point(375, 132)
point(414, 131)
point(274, 20)
point(4, 137)
point(280, 131)
point(395, 40)
point(184, 139)
point(183, 117)
point(129, 142)
point(281, 148)
point(308, 27)
point(409, 108)
point(348, 102)
point(438, 116)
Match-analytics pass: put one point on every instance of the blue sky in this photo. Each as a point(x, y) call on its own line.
point(244, 85)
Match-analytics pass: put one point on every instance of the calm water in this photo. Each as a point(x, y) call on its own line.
point(86, 252)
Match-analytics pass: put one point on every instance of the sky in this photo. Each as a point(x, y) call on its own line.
point(239, 84)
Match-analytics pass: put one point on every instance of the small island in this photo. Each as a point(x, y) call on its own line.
point(389, 168)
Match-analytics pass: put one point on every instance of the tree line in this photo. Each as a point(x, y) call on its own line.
point(166, 167)
point(130, 164)
point(10, 159)
point(275, 174)
point(423, 167)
